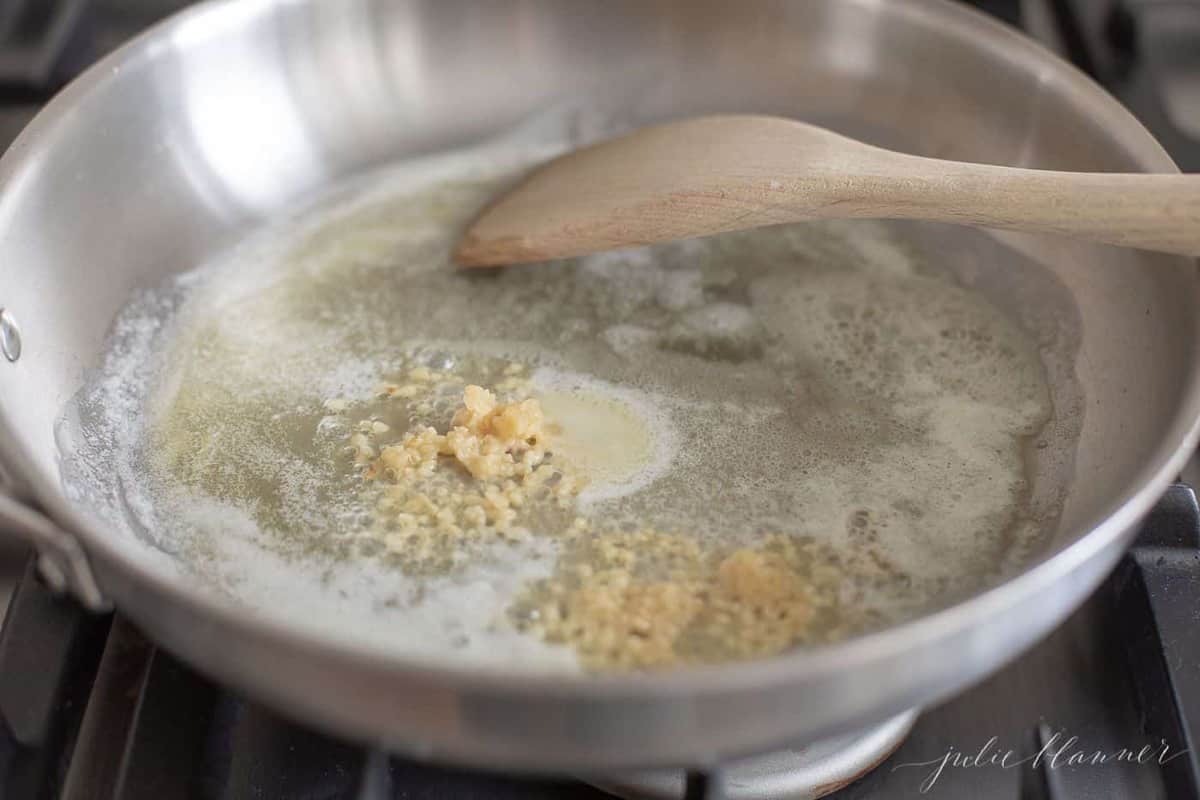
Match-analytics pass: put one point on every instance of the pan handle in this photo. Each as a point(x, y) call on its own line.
point(61, 560)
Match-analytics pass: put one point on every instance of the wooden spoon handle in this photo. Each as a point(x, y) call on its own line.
point(1155, 212)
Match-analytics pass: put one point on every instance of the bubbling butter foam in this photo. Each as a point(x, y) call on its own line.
point(820, 381)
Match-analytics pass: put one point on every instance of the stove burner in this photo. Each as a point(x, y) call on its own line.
point(803, 773)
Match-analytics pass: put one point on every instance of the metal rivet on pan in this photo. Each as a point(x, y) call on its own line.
point(10, 336)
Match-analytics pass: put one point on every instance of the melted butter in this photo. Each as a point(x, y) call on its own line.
point(816, 382)
point(603, 440)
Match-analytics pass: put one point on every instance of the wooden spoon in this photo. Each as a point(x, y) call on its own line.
point(722, 173)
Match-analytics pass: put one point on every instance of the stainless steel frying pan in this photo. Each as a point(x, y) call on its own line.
point(173, 146)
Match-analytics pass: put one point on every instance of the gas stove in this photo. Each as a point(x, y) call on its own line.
point(1107, 706)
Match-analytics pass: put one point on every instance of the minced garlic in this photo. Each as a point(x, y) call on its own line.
point(621, 600)
point(484, 478)
point(489, 441)
point(650, 599)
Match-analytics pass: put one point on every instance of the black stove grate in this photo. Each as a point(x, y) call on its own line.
point(1147, 53)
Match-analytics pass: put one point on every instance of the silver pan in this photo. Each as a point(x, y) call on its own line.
point(211, 122)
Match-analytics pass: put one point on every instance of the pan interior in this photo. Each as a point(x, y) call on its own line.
point(898, 399)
